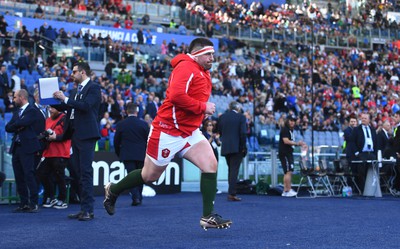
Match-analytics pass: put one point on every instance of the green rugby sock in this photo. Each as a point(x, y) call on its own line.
point(133, 179)
point(208, 188)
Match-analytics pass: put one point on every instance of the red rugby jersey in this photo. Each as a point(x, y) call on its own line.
point(189, 88)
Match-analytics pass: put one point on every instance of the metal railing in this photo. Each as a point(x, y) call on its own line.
point(258, 164)
point(158, 13)
point(362, 38)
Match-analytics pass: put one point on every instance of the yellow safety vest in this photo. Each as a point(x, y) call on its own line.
point(356, 92)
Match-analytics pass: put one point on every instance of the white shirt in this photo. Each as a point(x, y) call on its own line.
point(386, 133)
point(17, 82)
point(84, 83)
point(368, 145)
point(24, 107)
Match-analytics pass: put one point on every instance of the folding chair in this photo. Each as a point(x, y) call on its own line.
point(385, 181)
point(386, 175)
point(335, 175)
point(317, 180)
point(348, 174)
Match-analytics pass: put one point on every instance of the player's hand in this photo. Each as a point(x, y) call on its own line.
point(210, 108)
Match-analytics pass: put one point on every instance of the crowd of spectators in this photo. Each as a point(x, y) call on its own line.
point(118, 11)
point(333, 15)
point(277, 79)
point(330, 18)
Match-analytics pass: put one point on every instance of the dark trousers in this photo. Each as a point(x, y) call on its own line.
point(52, 169)
point(136, 192)
point(74, 174)
point(2, 178)
point(362, 168)
point(233, 160)
point(83, 154)
point(24, 171)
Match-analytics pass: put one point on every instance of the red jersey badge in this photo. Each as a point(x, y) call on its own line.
point(165, 153)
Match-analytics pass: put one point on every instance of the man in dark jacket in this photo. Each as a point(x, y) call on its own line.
point(4, 81)
point(365, 147)
point(26, 124)
point(130, 142)
point(109, 68)
point(140, 36)
point(347, 138)
point(83, 127)
point(24, 62)
point(232, 128)
point(395, 190)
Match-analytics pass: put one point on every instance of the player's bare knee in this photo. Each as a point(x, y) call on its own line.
point(214, 166)
point(150, 178)
point(209, 165)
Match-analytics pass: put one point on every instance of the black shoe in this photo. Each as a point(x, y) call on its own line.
point(136, 202)
point(214, 221)
point(78, 215)
point(33, 209)
point(75, 216)
point(233, 198)
point(86, 216)
point(110, 199)
point(21, 209)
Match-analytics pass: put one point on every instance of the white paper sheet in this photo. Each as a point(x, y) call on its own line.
point(47, 87)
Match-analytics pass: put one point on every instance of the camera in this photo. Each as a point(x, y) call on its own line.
point(45, 134)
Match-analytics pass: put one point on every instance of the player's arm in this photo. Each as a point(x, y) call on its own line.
point(180, 81)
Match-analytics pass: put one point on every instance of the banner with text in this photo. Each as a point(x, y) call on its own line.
point(125, 35)
point(107, 168)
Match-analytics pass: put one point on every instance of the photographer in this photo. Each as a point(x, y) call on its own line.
point(55, 159)
point(212, 137)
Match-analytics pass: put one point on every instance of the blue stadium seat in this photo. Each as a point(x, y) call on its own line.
point(11, 67)
point(339, 141)
point(8, 136)
point(101, 143)
point(27, 77)
point(307, 140)
point(329, 138)
point(2, 130)
point(297, 135)
point(101, 56)
point(36, 77)
point(321, 137)
point(112, 135)
point(254, 146)
point(29, 82)
point(7, 117)
point(70, 86)
point(24, 73)
point(84, 55)
point(2, 106)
